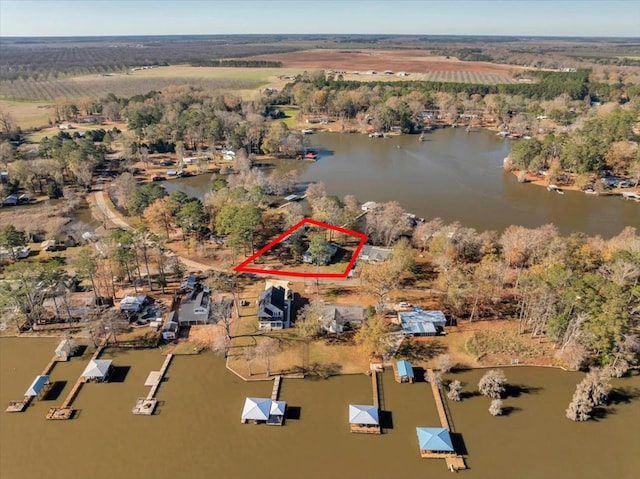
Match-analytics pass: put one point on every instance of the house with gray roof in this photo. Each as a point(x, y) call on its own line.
point(374, 254)
point(337, 317)
point(421, 323)
point(274, 306)
point(195, 307)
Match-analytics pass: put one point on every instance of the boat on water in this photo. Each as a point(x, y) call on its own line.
point(555, 189)
point(307, 131)
point(376, 134)
point(631, 196)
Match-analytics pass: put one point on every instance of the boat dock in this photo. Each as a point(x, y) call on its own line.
point(146, 405)
point(65, 411)
point(275, 392)
point(370, 428)
point(374, 387)
point(454, 461)
point(20, 406)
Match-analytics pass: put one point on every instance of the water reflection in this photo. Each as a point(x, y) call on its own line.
point(456, 175)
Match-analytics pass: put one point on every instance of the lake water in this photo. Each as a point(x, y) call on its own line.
point(455, 175)
point(197, 433)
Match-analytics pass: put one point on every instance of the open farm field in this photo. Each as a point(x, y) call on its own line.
point(416, 62)
point(27, 114)
point(140, 82)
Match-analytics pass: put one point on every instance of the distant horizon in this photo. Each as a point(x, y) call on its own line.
point(435, 35)
point(508, 18)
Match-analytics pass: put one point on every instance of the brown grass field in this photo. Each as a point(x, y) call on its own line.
point(410, 61)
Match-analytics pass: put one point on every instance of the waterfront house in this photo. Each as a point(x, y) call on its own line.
point(421, 323)
point(434, 440)
point(195, 307)
point(374, 254)
point(98, 370)
point(368, 206)
point(263, 411)
point(274, 305)
point(404, 372)
point(332, 249)
point(364, 419)
point(338, 317)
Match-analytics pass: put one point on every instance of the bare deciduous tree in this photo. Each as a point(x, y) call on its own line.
point(443, 363)
point(265, 349)
point(492, 383)
point(591, 392)
point(496, 407)
point(455, 388)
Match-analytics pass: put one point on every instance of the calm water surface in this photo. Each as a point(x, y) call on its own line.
point(198, 434)
point(457, 176)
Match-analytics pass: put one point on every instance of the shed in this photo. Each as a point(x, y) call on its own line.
point(64, 349)
point(434, 440)
point(404, 372)
point(37, 386)
point(97, 370)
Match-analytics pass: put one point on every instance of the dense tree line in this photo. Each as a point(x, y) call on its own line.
point(604, 142)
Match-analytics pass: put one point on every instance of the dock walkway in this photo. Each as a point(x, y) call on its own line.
point(454, 461)
point(276, 388)
point(145, 406)
point(65, 411)
point(19, 406)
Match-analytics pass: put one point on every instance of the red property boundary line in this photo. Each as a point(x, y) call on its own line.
point(244, 268)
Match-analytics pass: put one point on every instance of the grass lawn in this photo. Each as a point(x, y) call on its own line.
point(27, 114)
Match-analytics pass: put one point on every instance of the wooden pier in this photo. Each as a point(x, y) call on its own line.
point(145, 406)
point(454, 460)
point(65, 411)
point(370, 428)
point(275, 392)
point(19, 406)
point(374, 386)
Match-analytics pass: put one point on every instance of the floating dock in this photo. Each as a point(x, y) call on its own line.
point(145, 406)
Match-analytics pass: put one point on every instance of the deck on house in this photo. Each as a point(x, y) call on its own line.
point(145, 406)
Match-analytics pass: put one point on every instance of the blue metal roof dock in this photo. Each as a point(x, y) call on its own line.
point(37, 385)
point(404, 372)
point(434, 439)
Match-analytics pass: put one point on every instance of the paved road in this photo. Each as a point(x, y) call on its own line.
point(192, 265)
point(108, 213)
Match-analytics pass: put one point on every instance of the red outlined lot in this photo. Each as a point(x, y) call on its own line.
point(244, 268)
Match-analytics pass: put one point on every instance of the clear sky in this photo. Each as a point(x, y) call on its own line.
point(423, 17)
